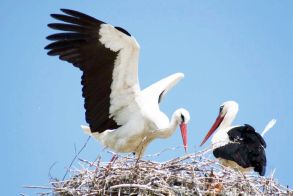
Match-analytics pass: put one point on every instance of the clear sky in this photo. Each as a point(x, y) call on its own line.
point(240, 50)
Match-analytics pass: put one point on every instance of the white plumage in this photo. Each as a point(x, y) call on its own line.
point(143, 120)
point(121, 116)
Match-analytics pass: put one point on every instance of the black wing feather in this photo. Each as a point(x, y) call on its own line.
point(247, 148)
point(79, 44)
point(73, 20)
point(79, 15)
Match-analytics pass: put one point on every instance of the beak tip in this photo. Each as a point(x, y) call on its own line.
point(213, 128)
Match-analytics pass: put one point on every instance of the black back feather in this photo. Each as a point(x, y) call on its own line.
point(247, 148)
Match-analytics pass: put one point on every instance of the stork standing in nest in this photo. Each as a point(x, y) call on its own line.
point(239, 147)
point(120, 115)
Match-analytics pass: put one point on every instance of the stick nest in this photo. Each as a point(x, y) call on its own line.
point(191, 174)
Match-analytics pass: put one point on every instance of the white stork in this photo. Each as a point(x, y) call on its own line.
point(238, 147)
point(120, 115)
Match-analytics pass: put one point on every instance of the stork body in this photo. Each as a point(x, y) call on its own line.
point(120, 115)
point(239, 147)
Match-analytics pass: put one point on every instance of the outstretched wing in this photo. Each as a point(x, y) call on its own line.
point(156, 92)
point(107, 56)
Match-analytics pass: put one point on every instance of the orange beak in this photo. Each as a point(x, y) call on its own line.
point(183, 128)
point(213, 128)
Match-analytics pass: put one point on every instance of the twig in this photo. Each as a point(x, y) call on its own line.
point(190, 174)
point(76, 155)
point(131, 186)
point(38, 187)
point(51, 167)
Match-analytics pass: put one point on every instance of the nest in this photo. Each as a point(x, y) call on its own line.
point(191, 174)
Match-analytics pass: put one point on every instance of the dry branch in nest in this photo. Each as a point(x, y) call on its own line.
point(191, 174)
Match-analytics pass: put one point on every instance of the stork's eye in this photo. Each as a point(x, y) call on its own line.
point(182, 118)
point(221, 108)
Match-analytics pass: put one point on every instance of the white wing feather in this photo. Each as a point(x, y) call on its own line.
point(125, 84)
point(164, 85)
point(268, 126)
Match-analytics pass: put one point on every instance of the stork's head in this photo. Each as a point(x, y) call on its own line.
point(227, 113)
point(182, 117)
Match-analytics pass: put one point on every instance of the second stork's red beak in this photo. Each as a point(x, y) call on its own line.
point(213, 128)
point(183, 128)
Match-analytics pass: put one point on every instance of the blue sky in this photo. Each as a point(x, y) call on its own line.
point(240, 50)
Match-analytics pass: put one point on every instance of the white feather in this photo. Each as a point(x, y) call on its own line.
point(125, 84)
point(86, 129)
point(268, 126)
point(152, 92)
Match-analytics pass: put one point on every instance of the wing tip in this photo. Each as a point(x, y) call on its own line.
point(65, 10)
point(86, 129)
point(180, 75)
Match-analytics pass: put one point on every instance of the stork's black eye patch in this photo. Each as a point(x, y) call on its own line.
point(182, 118)
point(122, 30)
point(221, 108)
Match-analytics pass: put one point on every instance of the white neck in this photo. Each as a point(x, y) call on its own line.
point(231, 108)
point(167, 132)
point(227, 121)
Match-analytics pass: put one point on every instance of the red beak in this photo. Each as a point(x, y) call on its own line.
point(183, 128)
point(214, 127)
